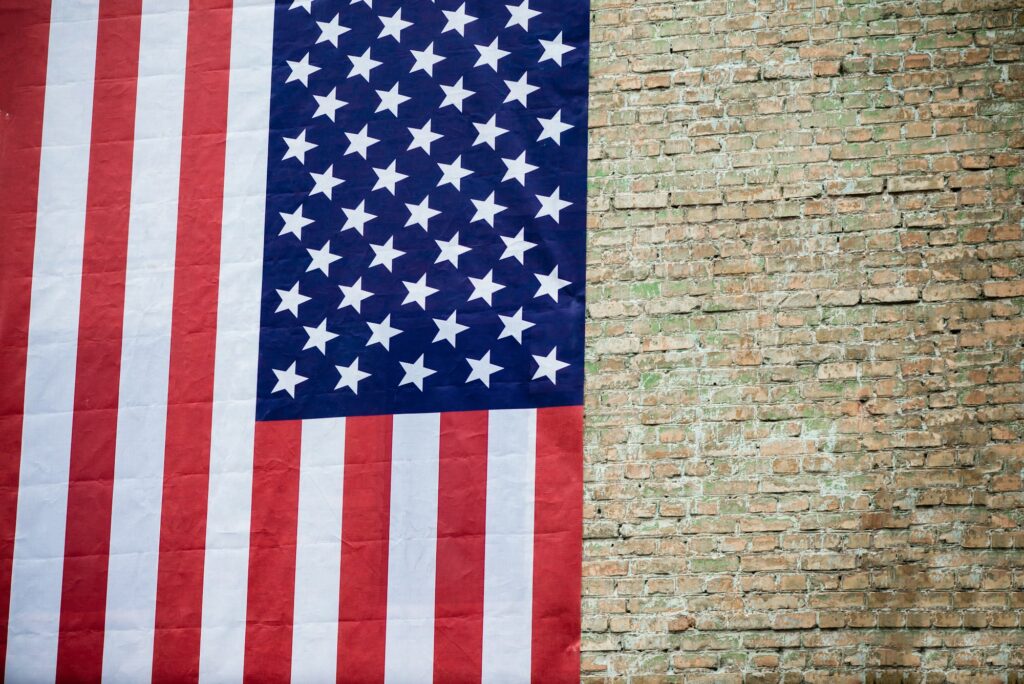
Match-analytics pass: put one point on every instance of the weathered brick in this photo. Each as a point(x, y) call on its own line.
point(915, 183)
point(890, 295)
point(805, 410)
point(1006, 289)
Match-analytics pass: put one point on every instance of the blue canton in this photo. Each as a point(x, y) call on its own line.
point(425, 229)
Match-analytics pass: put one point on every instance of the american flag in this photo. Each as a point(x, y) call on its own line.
point(291, 313)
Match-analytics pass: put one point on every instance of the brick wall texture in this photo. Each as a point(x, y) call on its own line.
point(805, 416)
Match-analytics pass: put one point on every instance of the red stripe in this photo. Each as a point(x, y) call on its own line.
point(193, 344)
point(98, 369)
point(461, 524)
point(24, 35)
point(275, 507)
point(558, 545)
point(365, 515)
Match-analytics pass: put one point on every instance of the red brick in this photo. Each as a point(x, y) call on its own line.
point(803, 457)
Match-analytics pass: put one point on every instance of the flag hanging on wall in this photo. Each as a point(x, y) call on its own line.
point(291, 311)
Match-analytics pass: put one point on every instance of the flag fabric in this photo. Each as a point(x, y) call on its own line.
point(291, 311)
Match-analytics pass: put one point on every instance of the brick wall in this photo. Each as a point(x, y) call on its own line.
point(805, 427)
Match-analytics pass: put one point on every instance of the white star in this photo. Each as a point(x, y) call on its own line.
point(321, 259)
point(484, 288)
point(451, 250)
point(554, 49)
point(360, 142)
point(304, 4)
point(418, 291)
point(390, 99)
point(324, 183)
point(357, 218)
point(519, 90)
point(553, 128)
point(425, 60)
point(552, 205)
point(518, 168)
point(550, 284)
point(488, 132)
point(327, 105)
point(453, 173)
point(521, 15)
point(330, 30)
point(448, 329)
point(548, 365)
point(486, 210)
point(294, 222)
point(362, 65)
point(384, 255)
point(415, 373)
point(381, 333)
point(297, 147)
point(490, 54)
point(388, 178)
point(516, 246)
point(420, 214)
point(350, 376)
point(318, 337)
point(454, 95)
point(369, 3)
point(482, 369)
point(423, 137)
point(457, 20)
point(514, 326)
point(353, 295)
point(291, 300)
point(393, 26)
point(287, 380)
point(301, 70)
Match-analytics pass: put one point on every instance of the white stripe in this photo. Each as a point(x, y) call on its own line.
point(508, 546)
point(226, 571)
point(318, 551)
point(412, 549)
point(145, 350)
point(52, 343)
